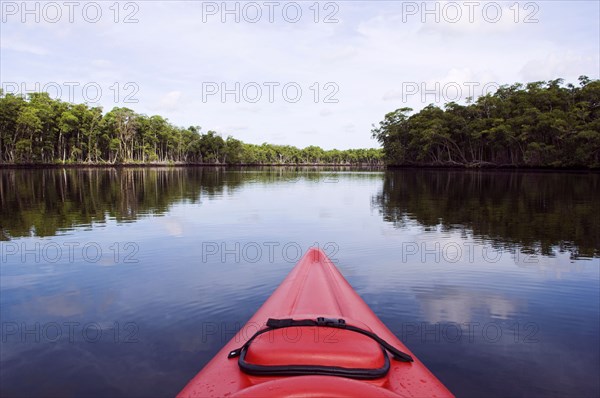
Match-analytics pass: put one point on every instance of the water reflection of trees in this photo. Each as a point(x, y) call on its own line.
point(43, 202)
point(537, 212)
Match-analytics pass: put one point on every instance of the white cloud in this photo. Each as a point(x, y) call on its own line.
point(102, 63)
point(349, 128)
point(20, 45)
point(170, 101)
point(477, 18)
point(454, 86)
point(566, 64)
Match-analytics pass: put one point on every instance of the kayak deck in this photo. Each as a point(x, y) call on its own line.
point(314, 288)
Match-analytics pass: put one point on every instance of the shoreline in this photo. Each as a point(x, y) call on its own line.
point(148, 165)
point(493, 168)
point(255, 165)
point(34, 166)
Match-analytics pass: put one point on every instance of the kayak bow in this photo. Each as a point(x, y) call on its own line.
point(315, 337)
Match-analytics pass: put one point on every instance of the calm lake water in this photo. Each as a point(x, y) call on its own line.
point(126, 282)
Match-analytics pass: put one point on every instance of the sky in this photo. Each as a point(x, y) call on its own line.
point(291, 73)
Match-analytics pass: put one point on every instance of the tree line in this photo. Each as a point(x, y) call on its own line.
point(40, 129)
point(538, 124)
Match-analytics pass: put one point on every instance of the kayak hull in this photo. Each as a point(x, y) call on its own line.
point(314, 288)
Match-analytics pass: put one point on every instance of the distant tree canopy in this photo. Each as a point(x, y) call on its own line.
point(39, 129)
point(540, 124)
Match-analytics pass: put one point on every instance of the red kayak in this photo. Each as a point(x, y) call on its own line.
point(315, 337)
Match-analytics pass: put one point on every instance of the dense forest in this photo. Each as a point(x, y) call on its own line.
point(39, 129)
point(539, 124)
